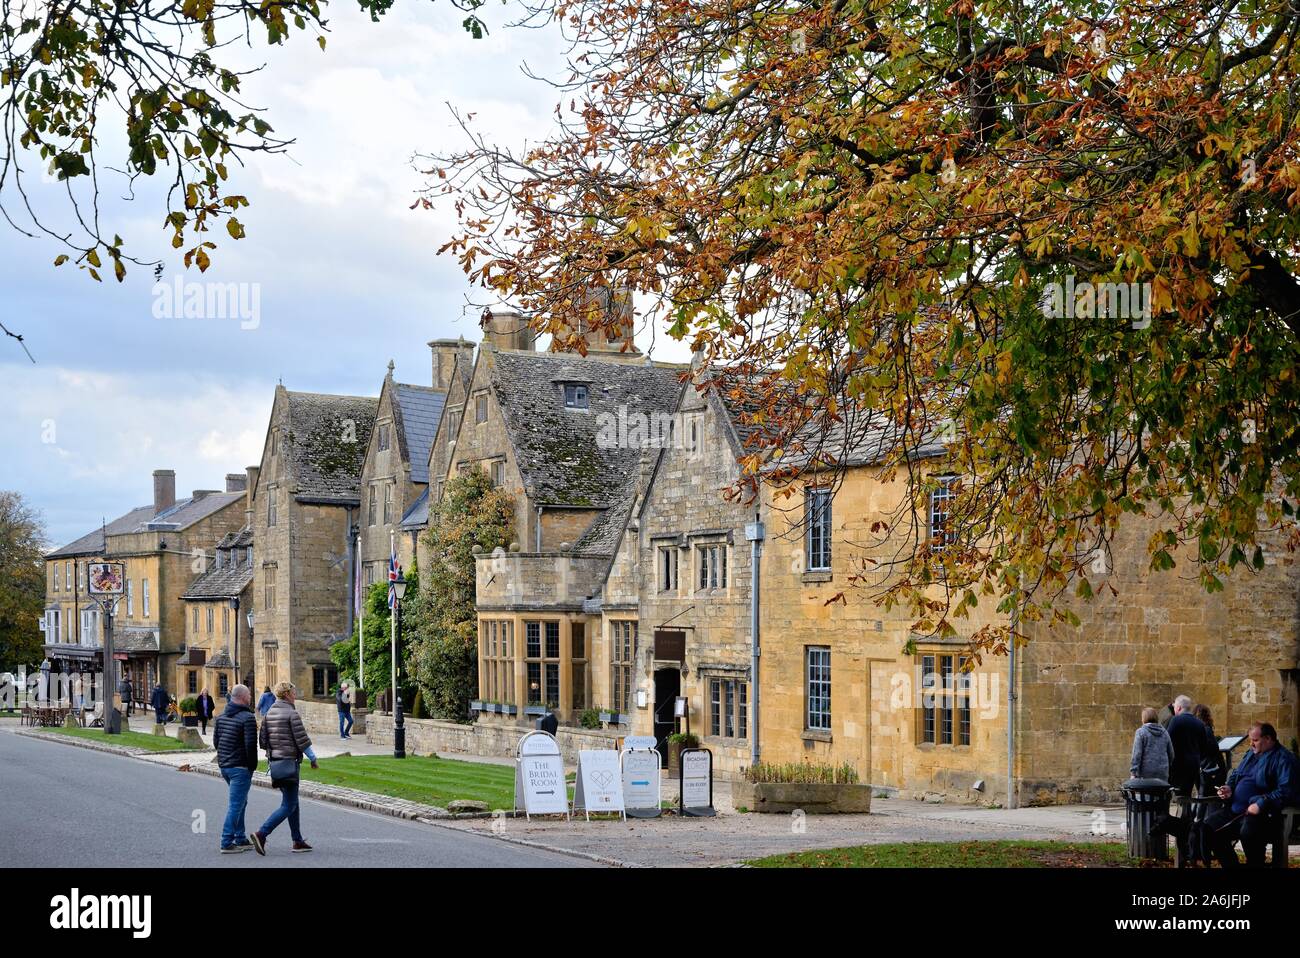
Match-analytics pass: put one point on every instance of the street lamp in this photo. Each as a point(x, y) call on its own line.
point(399, 727)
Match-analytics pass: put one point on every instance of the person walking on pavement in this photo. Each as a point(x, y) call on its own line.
point(343, 700)
point(1189, 737)
point(159, 701)
point(284, 739)
point(264, 703)
point(234, 736)
point(205, 708)
point(127, 691)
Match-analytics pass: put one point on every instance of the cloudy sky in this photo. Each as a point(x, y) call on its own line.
point(346, 273)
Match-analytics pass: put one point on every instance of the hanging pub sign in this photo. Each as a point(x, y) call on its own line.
point(106, 578)
point(539, 777)
point(695, 794)
point(599, 785)
point(641, 782)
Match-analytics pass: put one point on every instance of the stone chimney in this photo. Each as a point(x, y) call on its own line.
point(445, 353)
point(198, 494)
point(614, 308)
point(236, 482)
point(164, 490)
point(253, 473)
point(506, 329)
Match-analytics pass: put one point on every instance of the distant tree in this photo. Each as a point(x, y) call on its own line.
point(379, 641)
point(22, 582)
point(445, 650)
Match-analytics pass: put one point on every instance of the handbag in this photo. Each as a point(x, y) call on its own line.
point(284, 771)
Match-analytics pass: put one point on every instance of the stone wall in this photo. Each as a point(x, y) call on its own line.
point(322, 718)
point(1160, 634)
point(434, 737)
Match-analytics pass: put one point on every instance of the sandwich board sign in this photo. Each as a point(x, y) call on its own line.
point(641, 782)
point(695, 797)
point(600, 783)
point(539, 777)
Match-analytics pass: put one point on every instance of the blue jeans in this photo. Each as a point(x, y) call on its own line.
point(288, 809)
point(239, 780)
point(345, 716)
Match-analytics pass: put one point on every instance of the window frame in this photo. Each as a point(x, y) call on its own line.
point(817, 688)
point(818, 535)
point(728, 700)
point(622, 660)
point(544, 664)
point(669, 568)
point(943, 707)
point(577, 396)
point(938, 521)
point(712, 560)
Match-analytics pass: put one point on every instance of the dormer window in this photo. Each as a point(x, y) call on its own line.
point(575, 396)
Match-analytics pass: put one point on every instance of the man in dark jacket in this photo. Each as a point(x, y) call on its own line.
point(159, 701)
point(1188, 734)
point(127, 691)
point(235, 739)
point(1257, 791)
point(343, 702)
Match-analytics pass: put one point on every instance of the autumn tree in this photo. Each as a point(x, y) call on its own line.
point(882, 218)
point(22, 582)
point(99, 92)
point(472, 518)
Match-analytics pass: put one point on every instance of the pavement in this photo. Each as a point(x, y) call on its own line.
point(148, 814)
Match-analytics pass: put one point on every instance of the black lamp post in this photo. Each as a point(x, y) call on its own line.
point(250, 683)
point(399, 727)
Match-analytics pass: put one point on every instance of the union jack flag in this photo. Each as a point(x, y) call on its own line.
point(394, 570)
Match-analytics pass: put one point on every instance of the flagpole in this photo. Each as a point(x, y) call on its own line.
point(392, 614)
point(361, 627)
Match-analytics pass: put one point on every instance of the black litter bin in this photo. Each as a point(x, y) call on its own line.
point(1145, 800)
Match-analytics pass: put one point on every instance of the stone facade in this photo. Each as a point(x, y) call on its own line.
point(159, 545)
point(306, 504)
point(395, 474)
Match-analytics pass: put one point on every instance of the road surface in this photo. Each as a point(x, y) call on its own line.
point(63, 806)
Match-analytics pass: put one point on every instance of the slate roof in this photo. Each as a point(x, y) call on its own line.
point(859, 436)
point(92, 543)
point(416, 412)
point(221, 660)
point(326, 441)
point(135, 640)
point(184, 513)
point(561, 461)
point(417, 517)
point(223, 583)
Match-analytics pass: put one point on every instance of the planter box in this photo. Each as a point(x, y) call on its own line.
point(615, 718)
point(812, 799)
point(534, 710)
point(477, 706)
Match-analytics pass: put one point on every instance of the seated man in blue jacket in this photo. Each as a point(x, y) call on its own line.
point(1257, 791)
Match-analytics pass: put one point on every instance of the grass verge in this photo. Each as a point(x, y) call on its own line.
point(430, 781)
point(986, 854)
point(154, 743)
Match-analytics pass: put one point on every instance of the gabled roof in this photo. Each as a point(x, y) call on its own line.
point(562, 460)
point(183, 514)
point(224, 583)
point(326, 441)
point(92, 543)
point(416, 413)
point(417, 517)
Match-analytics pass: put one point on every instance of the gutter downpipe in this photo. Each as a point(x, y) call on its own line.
point(755, 533)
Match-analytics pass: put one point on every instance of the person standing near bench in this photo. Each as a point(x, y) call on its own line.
point(1257, 791)
point(1153, 751)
